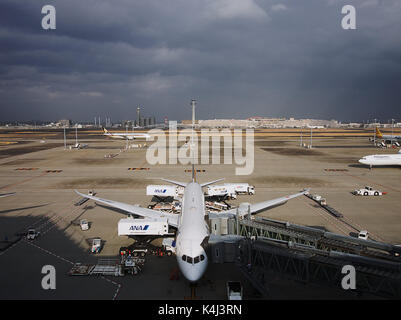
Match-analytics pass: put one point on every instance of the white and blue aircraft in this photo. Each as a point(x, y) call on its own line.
point(191, 224)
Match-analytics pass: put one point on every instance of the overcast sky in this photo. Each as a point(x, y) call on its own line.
point(237, 58)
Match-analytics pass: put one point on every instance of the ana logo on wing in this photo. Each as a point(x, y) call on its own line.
point(136, 228)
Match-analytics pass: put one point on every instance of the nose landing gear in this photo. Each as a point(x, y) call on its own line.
point(193, 296)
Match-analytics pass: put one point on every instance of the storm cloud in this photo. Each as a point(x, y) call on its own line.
point(238, 58)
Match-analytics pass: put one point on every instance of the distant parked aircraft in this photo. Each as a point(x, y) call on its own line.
point(382, 160)
point(387, 138)
point(193, 232)
point(127, 136)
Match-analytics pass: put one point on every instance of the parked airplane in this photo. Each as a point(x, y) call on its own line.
point(193, 232)
point(192, 229)
point(387, 138)
point(128, 135)
point(382, 160)
point(80, 146)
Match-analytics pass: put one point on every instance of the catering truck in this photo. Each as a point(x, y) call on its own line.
point(241, 188)
point(142, 226)
point(164, 191)
point(221, 191)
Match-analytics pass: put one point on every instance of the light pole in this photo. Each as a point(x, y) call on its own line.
point(126, 129)
point(374, 131)
point(301, 137)
point(392, 131)
point(65, 143)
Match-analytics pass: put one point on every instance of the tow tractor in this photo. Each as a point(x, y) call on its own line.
point(32, 234)
point(368, 191)
point(234, 290)
point(135, 250)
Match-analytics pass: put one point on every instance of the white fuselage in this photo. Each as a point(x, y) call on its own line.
point(127, 136)
point(191, 231)
point(382, 160)
point(390, 138)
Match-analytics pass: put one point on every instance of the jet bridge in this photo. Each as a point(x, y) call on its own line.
point(310, 255)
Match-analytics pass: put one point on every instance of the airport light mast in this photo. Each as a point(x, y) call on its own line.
point(392, 131)
point(374, 131)
point(126, 130)
point(301, 137)
point(65, 142)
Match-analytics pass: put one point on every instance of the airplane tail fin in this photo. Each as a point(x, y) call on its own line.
point(210, 182)
point(378, 133)
point(105, 130)
point(178, 183)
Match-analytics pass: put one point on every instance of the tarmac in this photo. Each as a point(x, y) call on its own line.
point(44, 175)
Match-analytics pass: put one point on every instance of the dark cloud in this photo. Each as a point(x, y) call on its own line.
point(238, 58)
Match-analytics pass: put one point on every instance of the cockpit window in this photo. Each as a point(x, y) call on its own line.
point(193, 260)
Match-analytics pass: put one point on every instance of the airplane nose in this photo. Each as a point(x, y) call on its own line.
point(193, 276)
point(193, 272)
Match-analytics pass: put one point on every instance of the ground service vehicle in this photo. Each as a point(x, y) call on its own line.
point(234, 290)
point(242, 188)
point(142, 226)
point(32, 234)
point(169, 246)
point(363, 235)
point(221, 191)
point(367, 191)
point(84, 224)
point(96, 245)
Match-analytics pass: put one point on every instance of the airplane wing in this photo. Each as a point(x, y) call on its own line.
point(260, 206)
point(3, 195)
point(172, 219)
